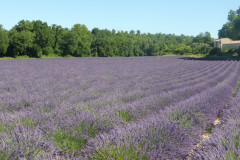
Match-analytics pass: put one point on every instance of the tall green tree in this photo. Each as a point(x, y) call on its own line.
point(4, 41)
point(20, 42)
point(77, 42)
point(44, 37)
point(57, 31)
point(24, 26)
point(203, 38)
point(231, 29)
point(103, 47)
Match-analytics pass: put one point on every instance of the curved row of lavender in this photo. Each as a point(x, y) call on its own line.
point(224, 142)
point(110, 108)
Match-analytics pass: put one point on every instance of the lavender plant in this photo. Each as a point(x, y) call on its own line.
point(114, 108)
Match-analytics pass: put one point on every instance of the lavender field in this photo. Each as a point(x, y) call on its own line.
point(119, 108)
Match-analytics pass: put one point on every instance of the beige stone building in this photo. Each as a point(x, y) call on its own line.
point(226, 43)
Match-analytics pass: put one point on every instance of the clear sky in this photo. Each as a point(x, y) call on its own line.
point(188, 17)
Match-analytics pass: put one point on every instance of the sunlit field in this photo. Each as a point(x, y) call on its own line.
point(119, 108)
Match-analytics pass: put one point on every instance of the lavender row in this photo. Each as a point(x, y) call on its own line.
point(57, 107)
point(224, 142)
point(61, 93)
point(169, 134)
point(140, 103)
point(140, 108)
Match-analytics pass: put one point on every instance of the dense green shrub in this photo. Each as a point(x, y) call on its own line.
point(215, 51)
point(47, 51)
point(35, 51)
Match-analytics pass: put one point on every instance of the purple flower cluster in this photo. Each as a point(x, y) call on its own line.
point(114, 108)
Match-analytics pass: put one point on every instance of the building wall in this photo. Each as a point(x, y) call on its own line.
point(231, 46)
point(217, 44)
point(226, 43)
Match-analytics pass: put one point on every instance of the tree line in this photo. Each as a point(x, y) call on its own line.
point(37, 38)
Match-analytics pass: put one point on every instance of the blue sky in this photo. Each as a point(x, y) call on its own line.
point(188, 17)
